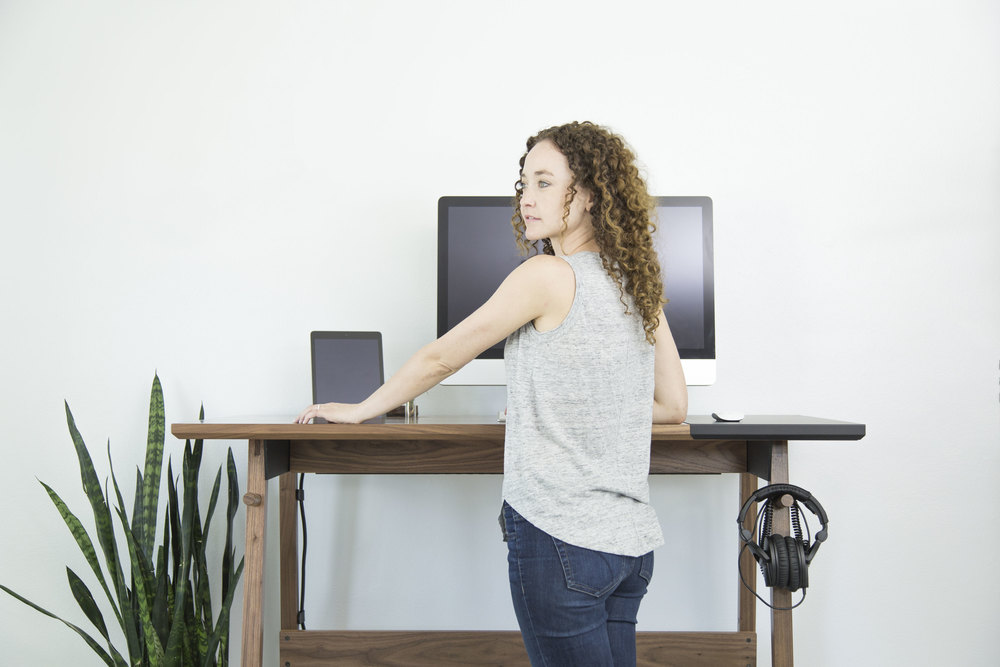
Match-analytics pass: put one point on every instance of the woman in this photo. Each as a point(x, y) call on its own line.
point(591, 364)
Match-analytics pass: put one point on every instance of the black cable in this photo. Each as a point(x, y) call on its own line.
point(301, 497)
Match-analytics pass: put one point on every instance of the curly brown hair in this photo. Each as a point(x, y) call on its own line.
point(603, 164)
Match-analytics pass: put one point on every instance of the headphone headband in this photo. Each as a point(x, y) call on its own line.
point(778, 490)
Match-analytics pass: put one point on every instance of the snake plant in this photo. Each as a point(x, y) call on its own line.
point(159, 593)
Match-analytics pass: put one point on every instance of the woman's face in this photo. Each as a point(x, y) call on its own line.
point(545, 181)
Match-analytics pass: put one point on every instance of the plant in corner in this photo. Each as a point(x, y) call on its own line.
point(162, 600)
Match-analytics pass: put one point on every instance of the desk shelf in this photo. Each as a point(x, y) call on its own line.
point(312, 648)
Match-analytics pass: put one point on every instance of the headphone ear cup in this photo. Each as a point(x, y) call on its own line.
point(796, 562)
point(800, 547)
point(769, 562)
point(779, 562)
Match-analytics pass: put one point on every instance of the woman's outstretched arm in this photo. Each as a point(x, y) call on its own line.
point(540, 286)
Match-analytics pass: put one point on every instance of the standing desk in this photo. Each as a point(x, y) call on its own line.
point(755, 448)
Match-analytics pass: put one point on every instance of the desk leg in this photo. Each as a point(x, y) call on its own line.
point(253, 573)
point(747, 617)
point(781, 621)
point(289, 532)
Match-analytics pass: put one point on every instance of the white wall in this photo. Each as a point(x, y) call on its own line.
point(192, 187)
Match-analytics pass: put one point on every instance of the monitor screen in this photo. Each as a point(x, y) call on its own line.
point(476, 251)
point(684, 243)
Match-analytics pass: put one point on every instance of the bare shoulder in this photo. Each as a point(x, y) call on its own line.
point(546, 267)
point(548, 284)
point(545, 276)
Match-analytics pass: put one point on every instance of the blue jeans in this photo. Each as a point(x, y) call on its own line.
point(575, 607)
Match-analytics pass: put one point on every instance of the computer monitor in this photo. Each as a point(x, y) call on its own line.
point(476, 251)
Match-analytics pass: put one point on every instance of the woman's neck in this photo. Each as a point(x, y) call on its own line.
point(570, 244)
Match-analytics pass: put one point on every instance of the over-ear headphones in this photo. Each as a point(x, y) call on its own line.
point(784, 560)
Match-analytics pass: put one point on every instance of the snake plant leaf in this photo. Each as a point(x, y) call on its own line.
point(134, 629)
point(153, 646)
point(212, 501)
point(173, 510)
point(194, 644)
point(198, 591)
point(102, 513)
point(218, 641)
point(164, 596)
point(230, 579)
point(97, 648)
point(199, 573)
point(118, 495)
point(189, 478)
point(83, 540)
point(145, 566)
point(198, 594)
point(137, 518)
point(201, 533)
point(154, 462)
point(97, 496)
point(202, 596)
point(229, 551)
point(234, 486)
point(131, 623)
point(179, 629)
point(148, 645)
point(161, 608)
point(203, 579)
point(85, 599)
point(193, 460)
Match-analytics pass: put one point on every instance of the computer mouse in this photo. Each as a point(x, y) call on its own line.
point(727, 416)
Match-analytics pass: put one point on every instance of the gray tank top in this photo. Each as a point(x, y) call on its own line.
point(579, 415)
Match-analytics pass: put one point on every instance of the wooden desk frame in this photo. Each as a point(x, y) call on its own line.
point(463, 446)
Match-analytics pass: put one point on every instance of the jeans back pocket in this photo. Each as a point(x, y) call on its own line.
point(592, 572)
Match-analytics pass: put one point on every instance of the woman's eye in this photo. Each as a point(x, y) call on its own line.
point(543, 184)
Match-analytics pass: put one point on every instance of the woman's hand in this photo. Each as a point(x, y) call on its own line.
point(339, 413)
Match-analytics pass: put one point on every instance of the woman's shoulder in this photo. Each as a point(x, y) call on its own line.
point(546, 273)
point(546, 264)
point(563, 262)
